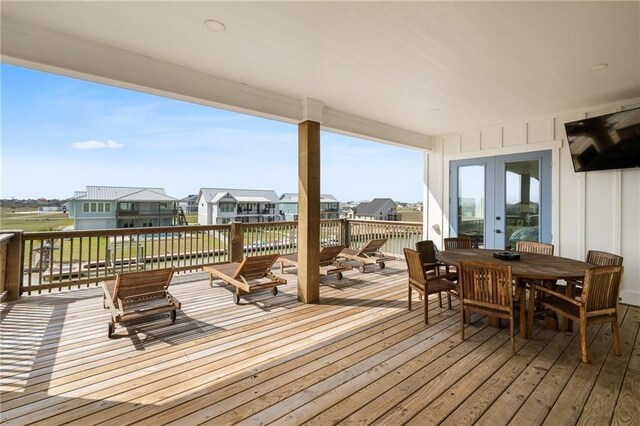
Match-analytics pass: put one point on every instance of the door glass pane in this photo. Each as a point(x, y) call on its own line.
point(522, 186)
point(471, 200)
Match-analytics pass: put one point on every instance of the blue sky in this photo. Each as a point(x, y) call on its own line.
point(60, 134)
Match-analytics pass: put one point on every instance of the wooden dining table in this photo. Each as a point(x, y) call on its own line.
point(531, 266)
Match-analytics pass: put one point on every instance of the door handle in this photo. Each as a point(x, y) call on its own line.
point(498, 231)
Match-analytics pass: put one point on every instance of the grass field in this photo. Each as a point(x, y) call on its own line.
point(29, 220)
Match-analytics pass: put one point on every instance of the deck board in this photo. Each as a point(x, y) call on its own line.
point(358, 357)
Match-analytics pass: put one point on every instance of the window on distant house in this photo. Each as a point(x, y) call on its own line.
point(100, 207)
point(107, 207)
point(85, 207)
point(94, 207)
point(227, 207)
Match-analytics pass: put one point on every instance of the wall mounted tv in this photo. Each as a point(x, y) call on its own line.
point(607, 142)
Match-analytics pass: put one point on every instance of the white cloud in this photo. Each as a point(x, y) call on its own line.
point(96, 145)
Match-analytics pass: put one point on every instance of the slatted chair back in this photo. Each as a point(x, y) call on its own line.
point(487, 285)
point(373, 246)
point(601, 289)
point(255, 267)
point(534, 247)
point(602, 258)
point(461, 243)
point(144, 284)
point(414, 267)
point(328, 254)
point(428, 252)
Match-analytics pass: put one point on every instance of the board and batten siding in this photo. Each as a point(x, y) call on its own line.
point(590, 211)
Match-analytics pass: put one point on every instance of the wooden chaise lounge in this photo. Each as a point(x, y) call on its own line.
point(329, 264)
point(138, 295)
point(252, 274)
point(369, 254)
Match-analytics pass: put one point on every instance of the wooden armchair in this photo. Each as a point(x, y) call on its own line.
point(598, 303)
point(486, 287)
point(427, 250)
point(574, 287)
point(425, 284)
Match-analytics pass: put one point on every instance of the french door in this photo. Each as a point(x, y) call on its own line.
point(500, 200)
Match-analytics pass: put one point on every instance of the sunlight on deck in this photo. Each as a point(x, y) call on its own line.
point(360, 356)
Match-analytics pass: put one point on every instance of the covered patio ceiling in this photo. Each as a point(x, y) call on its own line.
point(389, 71)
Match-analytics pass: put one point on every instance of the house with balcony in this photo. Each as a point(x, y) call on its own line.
point(376, 209)
point(224, 205)
point(106, 207)
point(189, 204)
point(329, 206)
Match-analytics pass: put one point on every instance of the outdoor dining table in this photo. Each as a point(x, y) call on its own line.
point(531, 266)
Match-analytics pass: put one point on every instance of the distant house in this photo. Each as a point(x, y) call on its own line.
point(376, 209)
point(189, 204)
point(409, 214)
point(107, 207)
point(329, 206)
point(223, 205)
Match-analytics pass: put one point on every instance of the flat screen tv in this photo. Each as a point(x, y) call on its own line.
point(607, 142)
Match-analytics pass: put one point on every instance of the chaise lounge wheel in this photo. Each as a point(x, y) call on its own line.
point(236, 298)
point(173, 315)
point(339, 276)
point(361, 268)
point(382, 265)
point(274, 291)
point(112, 329)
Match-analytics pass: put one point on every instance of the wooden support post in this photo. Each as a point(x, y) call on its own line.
point(308, 211)
point(13, 271)
point(236, 242)
point(346, 232)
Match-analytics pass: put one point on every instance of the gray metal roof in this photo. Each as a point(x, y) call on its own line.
point(292, 197)
point(373, 207)
point(193, 197)
point(247, 195)
point(123, 193)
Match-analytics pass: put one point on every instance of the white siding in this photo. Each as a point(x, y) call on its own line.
point(595, 210)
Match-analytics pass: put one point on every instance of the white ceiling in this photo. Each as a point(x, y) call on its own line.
point(478, 63)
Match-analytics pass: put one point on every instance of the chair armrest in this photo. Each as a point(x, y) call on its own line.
point(555, 294)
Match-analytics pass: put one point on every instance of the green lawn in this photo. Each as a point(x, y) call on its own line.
point(33, 221)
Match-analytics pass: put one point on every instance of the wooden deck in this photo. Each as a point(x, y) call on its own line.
point(360, 357)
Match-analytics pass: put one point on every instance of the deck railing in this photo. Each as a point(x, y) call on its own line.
point(71, 259)
point(400, 234)
point(75, 258)
point(282, 237)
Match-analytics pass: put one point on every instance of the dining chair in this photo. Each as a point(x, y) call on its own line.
point(597, 258)
point(461, 243)
point(427, 250)
point(486, 288)
point(426, 284)
point(597, 304)
point(534, 247)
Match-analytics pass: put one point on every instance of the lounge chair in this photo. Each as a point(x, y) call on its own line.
point(329, 264)
point(369, 254)
point(253, 274)
point(138, 295)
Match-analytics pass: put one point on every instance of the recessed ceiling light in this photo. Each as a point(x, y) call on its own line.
point(598, 67)
point(214, 25)
point(433, 110)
